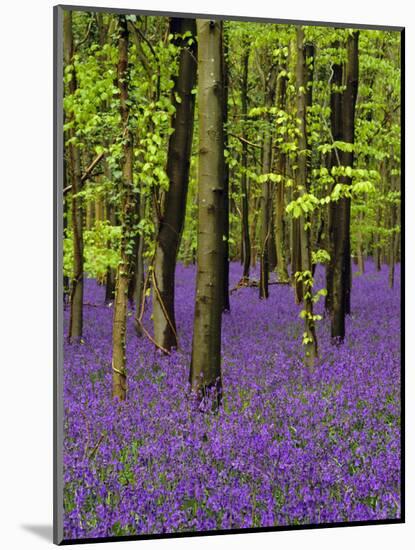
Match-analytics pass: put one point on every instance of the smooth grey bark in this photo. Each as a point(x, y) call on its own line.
point(205, 369)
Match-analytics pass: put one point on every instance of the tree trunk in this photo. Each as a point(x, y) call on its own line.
point(66, 279)
point(226, 306)
point(272, 247)
point(310, 338)
point(282, 273)
point(110, 276)
point(77, 282)
point(132, 283)
point(139, 271)
point(205, 369)
point(266, 185)
point(119, 376)
point(393, 236)
point(342, 265)
point(246, 245)
point(178, 165)
point(336, 109)
point(296, 262)
point(360, 252)
point(376, 240)
point(253, 236)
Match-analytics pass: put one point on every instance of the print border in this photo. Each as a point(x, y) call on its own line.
point(58, 284)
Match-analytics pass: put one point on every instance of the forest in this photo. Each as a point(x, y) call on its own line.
point(231, 252)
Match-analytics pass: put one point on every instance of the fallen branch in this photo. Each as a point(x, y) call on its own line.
point(246, 283)
point(95, 449)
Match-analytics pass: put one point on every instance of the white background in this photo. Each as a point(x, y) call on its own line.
point(26, 272)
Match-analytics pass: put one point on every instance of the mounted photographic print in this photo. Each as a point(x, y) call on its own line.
point(228, 252)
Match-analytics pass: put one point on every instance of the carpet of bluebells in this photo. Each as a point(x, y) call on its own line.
point(288, 447)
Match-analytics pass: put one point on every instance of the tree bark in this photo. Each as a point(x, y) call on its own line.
point(310, 338)
point(394, 239)
point(272, 247)
point(270, 85)
point(178, 165)
point(110, 276)
point(77, 282)
point(342, 261)
point(360, 251)
point(226, 306)
point(246, 245)
point(139, 271)
point(280, 245)
point(205, 369)
point(119, 375)
point(336, 110)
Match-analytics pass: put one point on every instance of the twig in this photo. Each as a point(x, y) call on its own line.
point(95, 449)
point(139, 319)
point(163, 306)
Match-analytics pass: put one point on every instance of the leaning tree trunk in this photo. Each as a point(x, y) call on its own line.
point(310, 338)
point(341, 231)
point(178, 165)
point(119, 376)
point(246, 245)
point(77, 282)
point(205, 369)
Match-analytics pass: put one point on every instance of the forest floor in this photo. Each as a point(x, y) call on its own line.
point(287, 447)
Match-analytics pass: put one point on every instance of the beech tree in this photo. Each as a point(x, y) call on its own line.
point(305, 274)
point(341, 227)
point(119, 375)
point(178, 164)
point(75, 177)
point(205, 369)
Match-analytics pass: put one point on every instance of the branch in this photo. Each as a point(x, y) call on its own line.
point(245, 140)
point(87, 172)
point(140, 52)
point(91, 167)
point(147, 41)
point(85, 38)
